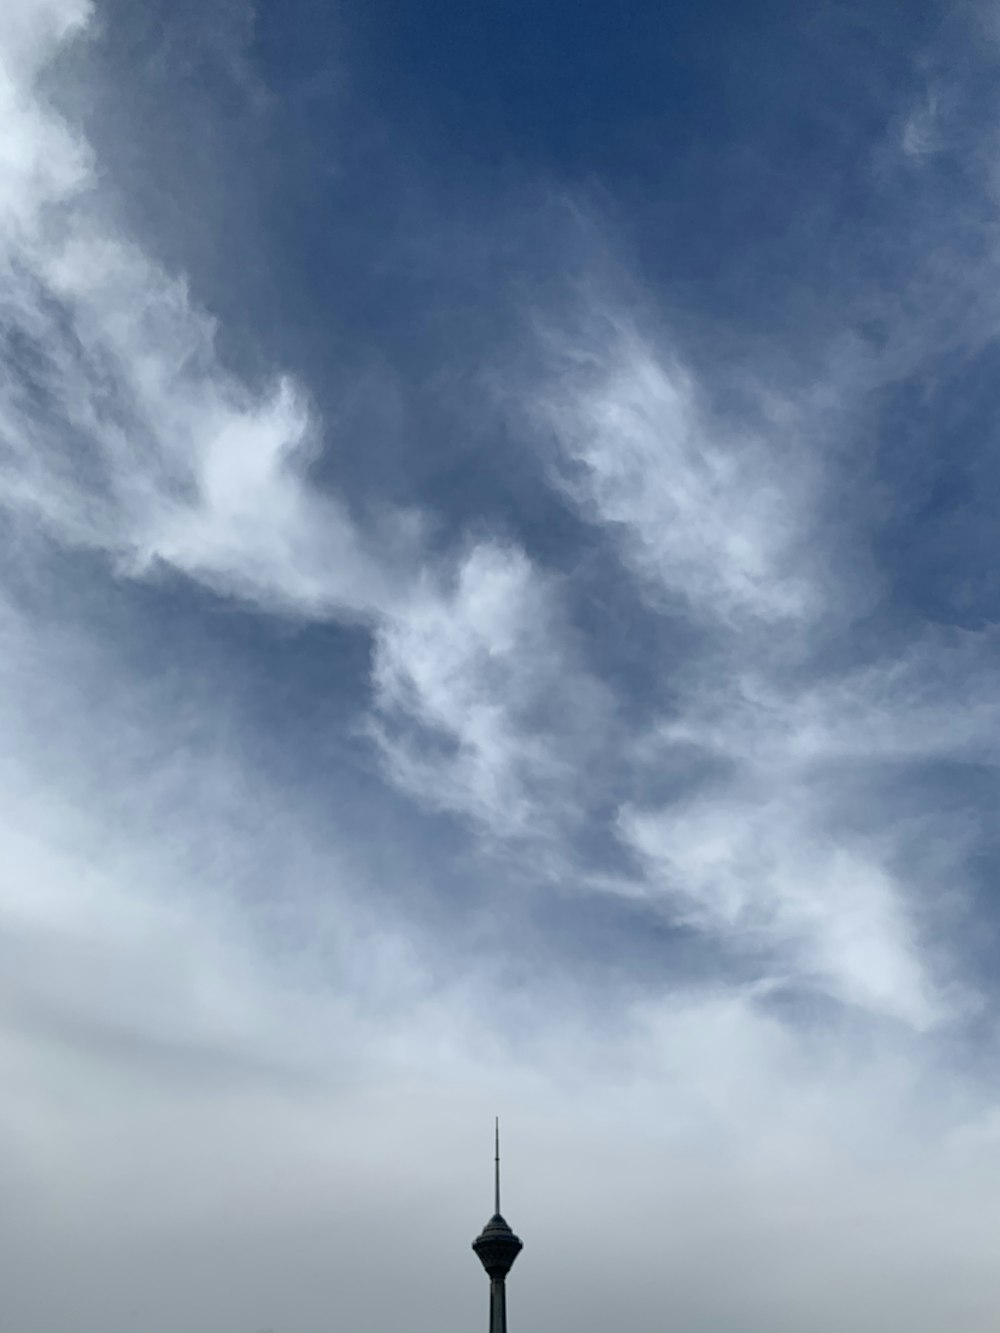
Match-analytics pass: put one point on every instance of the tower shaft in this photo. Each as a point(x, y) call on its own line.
point(498, 1305)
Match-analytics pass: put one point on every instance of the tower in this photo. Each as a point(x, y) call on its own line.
point(497, 1248)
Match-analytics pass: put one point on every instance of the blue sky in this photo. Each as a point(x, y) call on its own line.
point(499, 613)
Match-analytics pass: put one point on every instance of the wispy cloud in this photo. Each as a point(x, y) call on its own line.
point(705, 513)
point(921, 131)
point(481, 708)
point(124, 432)
point(725, 531)
point(764, 873)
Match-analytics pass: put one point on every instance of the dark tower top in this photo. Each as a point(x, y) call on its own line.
point(497, 1247)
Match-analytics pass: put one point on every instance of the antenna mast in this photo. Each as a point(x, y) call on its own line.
point(497, 1247)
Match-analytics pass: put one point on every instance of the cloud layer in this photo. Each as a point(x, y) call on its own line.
point(332, 825)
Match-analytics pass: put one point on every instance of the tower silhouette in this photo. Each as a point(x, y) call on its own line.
point(497, 1248)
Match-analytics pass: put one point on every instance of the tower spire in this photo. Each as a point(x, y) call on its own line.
point(497, 1247)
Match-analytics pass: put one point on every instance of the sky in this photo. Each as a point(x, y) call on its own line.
point(499, 615)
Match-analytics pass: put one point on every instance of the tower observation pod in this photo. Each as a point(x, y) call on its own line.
point(497, 1248)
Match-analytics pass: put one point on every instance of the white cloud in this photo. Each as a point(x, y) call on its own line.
point(41, 161)
point(796, 848)
point(725, 528)
point(756, 871)
point(702, 513)
point(480, 707)
point(935, 699)
point(122, 431)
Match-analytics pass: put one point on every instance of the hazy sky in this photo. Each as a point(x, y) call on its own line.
point(499, 612)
